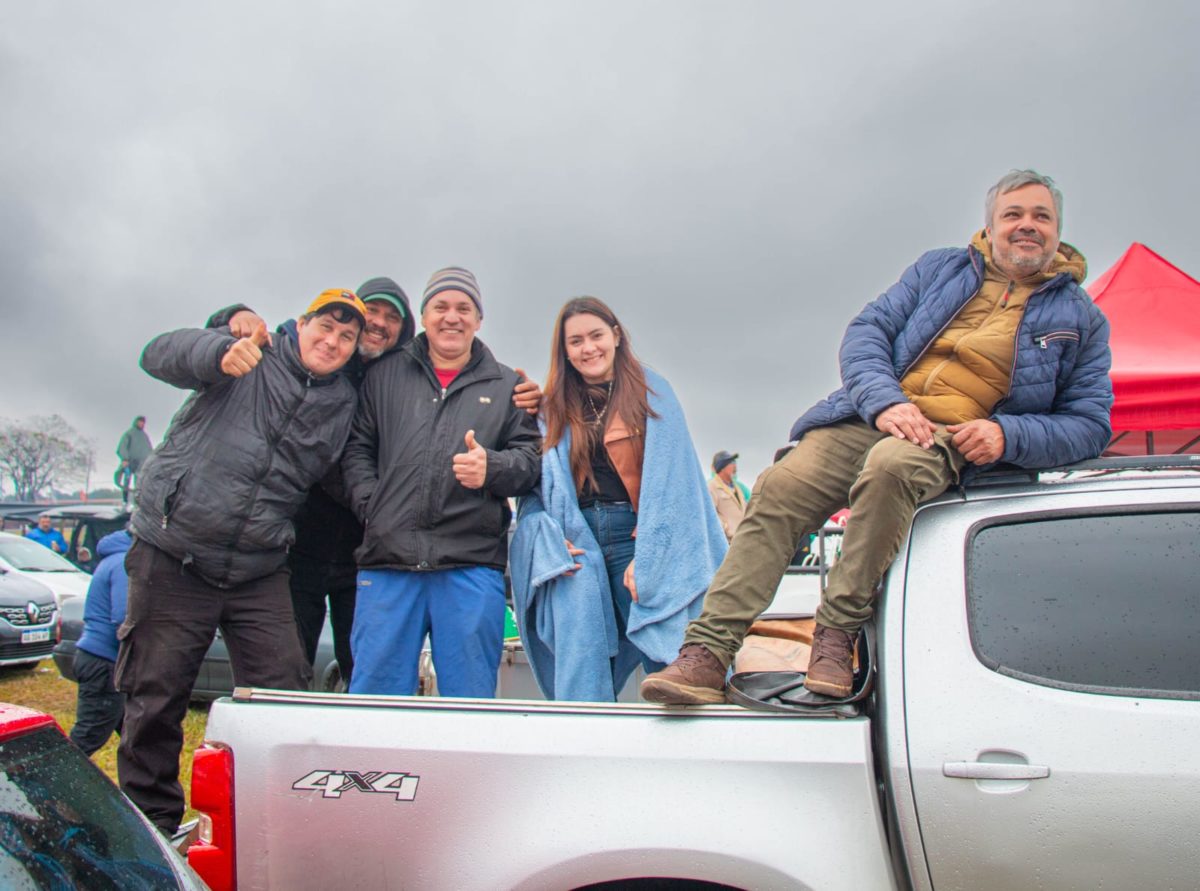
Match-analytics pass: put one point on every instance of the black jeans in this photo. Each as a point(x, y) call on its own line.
point(99, 707)
point(312, 581)
point(170, 623)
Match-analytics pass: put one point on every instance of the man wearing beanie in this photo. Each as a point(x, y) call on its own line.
point(327, 533)
point(436, 450)
point(267, 419)
point(727, 497)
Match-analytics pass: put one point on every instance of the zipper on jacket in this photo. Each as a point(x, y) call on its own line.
point(272, 443)
point(428, 492)
point(972, 254)
point(425, 499)
point(1012, 371)
point(427, 495)
point(1055, 335)
point(169, 502)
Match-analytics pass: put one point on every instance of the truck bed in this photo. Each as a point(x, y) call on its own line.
point(488, 794)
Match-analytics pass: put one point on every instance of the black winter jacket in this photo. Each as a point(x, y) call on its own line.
point(220, 491)
point(398, 463)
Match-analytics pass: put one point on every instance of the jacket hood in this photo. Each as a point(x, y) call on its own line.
point(385, 285)
point(1068, 259)
point(114, 543)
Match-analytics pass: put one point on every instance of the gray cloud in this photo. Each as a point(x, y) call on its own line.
point(735, 179)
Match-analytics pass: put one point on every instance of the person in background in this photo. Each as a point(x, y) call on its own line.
point(613, 552)
point(726, 493)
point(133, 448)
point(99, 706)
point(981, 354)
point(45, 534)
point(436, 450)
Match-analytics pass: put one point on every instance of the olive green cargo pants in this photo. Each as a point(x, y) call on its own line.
point(848, 464)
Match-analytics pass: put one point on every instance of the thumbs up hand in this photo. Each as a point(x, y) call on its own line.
point(246, 353)
point(470, 467)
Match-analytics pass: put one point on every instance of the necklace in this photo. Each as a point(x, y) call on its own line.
point(598, 415)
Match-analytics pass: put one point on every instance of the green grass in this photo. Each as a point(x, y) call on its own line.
point(44, 689)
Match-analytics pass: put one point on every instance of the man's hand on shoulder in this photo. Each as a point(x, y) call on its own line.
point(905, 421)
point(470, 467)
point(527, 394)
point(980, 442)
point(246, 353)
point(244, 322)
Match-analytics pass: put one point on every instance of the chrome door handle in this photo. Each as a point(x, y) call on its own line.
point(992, 770)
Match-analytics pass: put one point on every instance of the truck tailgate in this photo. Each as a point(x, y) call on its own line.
point(391, 792)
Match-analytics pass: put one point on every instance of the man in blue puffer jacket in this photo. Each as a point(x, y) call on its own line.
point(99, 706)
point(978, 355)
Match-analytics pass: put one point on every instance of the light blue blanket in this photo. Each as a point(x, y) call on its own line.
point(567, 623)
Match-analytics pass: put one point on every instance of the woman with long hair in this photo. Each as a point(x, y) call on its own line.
point(613, 554)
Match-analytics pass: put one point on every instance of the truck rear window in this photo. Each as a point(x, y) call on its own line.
point(64, 825)
point(1105, 603)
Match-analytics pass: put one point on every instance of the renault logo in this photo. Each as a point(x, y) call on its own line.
point(31, 612)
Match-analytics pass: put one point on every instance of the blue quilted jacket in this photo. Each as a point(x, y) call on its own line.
point(1057, 407)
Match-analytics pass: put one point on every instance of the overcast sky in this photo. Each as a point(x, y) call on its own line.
point(735, 179)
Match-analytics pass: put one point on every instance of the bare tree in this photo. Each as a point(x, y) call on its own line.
point(41, 453)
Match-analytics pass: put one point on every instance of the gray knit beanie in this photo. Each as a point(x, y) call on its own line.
point(453, 278)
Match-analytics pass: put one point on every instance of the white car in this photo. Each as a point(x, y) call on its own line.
point(23, 556)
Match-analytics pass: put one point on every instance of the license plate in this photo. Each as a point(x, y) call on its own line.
point(35, 636)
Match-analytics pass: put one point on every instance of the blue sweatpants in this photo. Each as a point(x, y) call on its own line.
point(462, 611)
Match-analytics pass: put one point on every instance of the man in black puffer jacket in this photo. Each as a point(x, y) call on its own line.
point(437, 449)
point(213, 524)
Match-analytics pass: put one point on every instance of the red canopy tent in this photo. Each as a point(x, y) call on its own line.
point(1154, 309)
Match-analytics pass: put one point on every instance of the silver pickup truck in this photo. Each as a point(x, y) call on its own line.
point(1033, 724)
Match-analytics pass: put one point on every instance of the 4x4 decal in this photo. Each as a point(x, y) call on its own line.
point(332, 783)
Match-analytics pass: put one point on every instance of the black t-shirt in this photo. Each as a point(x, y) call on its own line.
point(609, 488)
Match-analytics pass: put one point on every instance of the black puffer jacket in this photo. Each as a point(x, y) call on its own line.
point(398, 463)
point(220, 491)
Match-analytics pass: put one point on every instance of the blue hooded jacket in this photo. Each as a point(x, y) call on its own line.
point(104, 610)
point(1057, 408)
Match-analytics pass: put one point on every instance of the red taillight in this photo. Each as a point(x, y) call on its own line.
point(213, 856)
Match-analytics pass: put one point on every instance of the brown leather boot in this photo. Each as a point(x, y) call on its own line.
point(696, 677)
point(830, 667)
